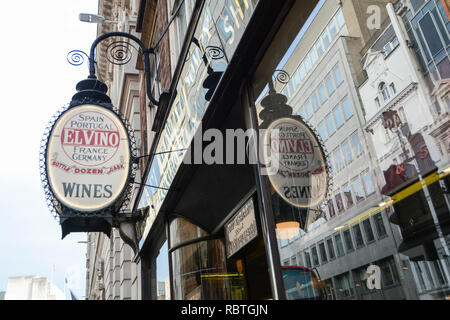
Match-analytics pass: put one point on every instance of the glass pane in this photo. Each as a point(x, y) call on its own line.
point(330, 85)
point(322, 94)
point(339, 245)
point(368, 230)
point(322, 131)
point(309, 109)
point(181, 230)
point(356, 144)
point(347, 107)
point(347, 152)
point(348, 196)
point(357, 190)
point(368, 183)
point(348, 240)
point(331, 249)
point(338, 75)
point(381, 230)
point(315, 102)
point(431, 35)
point(330, 124)
point(338, 161)
point(339, 202)
point(315, 257)
point(323, 253)
point(358, 236)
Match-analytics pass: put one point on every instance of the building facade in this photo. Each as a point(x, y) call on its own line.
point(370, 81)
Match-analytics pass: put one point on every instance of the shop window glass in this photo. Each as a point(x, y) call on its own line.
point(339, 245)
point(343, 285)
point(199, 272)
point(368, 230)
point(347, 107)
point(181, 230)
point(331, 249)
point(358, 236)
point(379, 225)
point(348, 240)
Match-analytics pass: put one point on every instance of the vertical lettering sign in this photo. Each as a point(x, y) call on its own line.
point(302, 177)
point(88, 157)
point(241, 229)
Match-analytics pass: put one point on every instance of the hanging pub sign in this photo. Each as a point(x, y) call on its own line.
point(301, 177)
point(87, 164)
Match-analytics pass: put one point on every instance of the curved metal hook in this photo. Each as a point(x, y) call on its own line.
point(146, 53)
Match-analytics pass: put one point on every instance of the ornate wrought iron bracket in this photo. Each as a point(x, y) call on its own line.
point(119, 53)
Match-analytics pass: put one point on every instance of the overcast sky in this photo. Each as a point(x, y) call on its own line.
point(36, 81)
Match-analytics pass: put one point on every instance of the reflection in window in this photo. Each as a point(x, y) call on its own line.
point(338, 75)
point(322, 94)
point(331, 248)
point(368, 183)
point(330, 124)
point(339, 245)
point(315, 256)
point(347, 107)
point(357, 190)
point(347, 152)
point(323, 131)
point(359, 241)
point(323, 253)
point(330, 85)
point(348, 240)
point(348, 196)
point(338, 162)
point(343, 285)
point(339, 202)
point(356, 144)
point(379, 225)
point(368, 230)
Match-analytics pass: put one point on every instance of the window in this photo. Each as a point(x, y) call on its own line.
point(389, 275)
point(330, 85)
point(286, 262)
point(323, 131)
point(348, 196)
point(368, 183)
point(357, 190)
point(326, 39)
point(331, 208)
point(377, 102)
point(315, 102)
point(330, 124)
point(315, 256)
point(313, 56)
point(359, 241)
point(339, 245)
point(379, 225)
point(301, 72)
point(348, 240)
point(322, 94)
point(323, 253)
point(331, 249)
point(347, 107)
point(308, 259)
point(338, 162)
point(431, 35)
point(356, 144)
point(338, 75)
point(340, 19)
point(309, 110)
point(343, 285)
point(319, 47)
point(301, 112)
point(384, 91)
point(392, 86)
point(339, 202)
point(307, 64)
point(293, 261)
point(332, 29)
point(347, 152)
point(368, 230)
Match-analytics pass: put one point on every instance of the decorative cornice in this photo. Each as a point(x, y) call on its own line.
point(394, 102)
